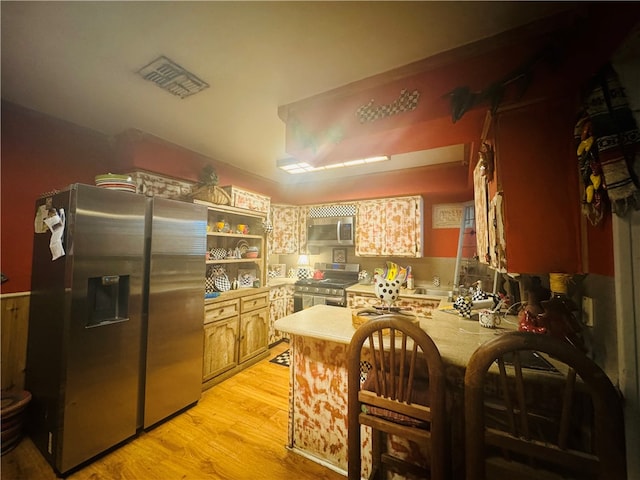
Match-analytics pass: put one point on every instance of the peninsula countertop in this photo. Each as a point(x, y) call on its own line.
point(369, 289)
point(456, 337)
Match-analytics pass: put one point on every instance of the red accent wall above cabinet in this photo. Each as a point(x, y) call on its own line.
point(136, 150)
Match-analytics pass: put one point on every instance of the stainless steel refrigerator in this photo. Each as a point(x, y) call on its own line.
point(116, 318)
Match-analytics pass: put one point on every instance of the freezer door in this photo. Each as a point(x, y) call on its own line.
point(85, 330)
point(103, 369)
point(175, 313)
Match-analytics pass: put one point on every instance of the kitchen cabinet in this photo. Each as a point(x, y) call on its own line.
point(254, 326)
point(534, 199)
point(220, 338)
point(286, 221)
point(220, 347)
point(241, 198)
point(235, 334)
point(280, 305)
point(231, 234)
point(419, 306)
point(390, 227)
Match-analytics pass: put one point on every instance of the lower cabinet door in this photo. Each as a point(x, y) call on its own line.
point(254, 333)
point(220, 347)
point(419, 306)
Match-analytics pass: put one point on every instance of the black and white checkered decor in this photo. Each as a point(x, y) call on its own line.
point(209, 284)
point(463, 305)
point(406, 102)
point(365, 368)
point(479, 295)
point(283, 359)
point(332, 211)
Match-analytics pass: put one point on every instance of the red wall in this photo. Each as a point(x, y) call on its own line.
point(441, 181)
point(441, 242)
point(41, 154)
point(135, 150)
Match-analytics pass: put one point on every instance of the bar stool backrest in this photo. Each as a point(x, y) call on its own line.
point(567, 424)
point(402, 393)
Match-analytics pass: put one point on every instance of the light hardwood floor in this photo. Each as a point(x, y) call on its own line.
point(237, 431)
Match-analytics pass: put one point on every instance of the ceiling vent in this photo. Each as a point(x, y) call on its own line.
point(171, 77)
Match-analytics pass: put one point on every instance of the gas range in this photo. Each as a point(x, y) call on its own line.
point(326, 286)
point(330, 290)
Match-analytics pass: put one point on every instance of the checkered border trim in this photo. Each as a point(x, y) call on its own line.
point(332, 211)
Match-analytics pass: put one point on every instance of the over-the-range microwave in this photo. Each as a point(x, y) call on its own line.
point(331, 231)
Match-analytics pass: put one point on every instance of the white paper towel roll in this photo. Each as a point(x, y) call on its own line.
point(480, 304)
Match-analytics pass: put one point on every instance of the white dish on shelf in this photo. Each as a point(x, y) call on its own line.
point(218, 253)
point(222, 283)
point(242, 247)
point(116, 182)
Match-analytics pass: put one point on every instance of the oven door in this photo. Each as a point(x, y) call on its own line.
point(307, 300)
point(335, 301)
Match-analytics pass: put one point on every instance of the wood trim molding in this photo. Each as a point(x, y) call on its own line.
point(15, 331)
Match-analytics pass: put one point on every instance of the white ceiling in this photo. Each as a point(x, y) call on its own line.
point(78, 61)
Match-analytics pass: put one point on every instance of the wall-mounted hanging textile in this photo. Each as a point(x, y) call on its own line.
point(608, 148)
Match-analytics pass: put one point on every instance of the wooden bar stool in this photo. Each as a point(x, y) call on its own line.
point(402, 395)
point(534, 425)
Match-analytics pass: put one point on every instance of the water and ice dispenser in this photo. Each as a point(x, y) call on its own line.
point(108, 300)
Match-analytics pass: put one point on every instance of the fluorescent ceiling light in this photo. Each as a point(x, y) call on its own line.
point(381, 158)
point(293, 166)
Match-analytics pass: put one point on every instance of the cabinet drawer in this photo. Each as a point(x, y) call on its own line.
point(252, 302)
point(219, 310)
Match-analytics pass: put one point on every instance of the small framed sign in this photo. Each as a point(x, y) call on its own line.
point(339, 255)
point(447, 215)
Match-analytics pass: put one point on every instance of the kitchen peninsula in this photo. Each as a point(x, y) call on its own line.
point(364, 296)
point(320, 338)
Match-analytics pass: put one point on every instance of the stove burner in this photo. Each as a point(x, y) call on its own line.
point(329, 290)
point(327, 282)
point(326, 287)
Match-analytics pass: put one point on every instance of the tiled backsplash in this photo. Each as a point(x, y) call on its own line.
point(424, 269)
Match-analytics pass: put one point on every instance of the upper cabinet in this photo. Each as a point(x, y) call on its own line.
point(286, 221)
point(390, 227)
point(532, 201)
point(384, 227)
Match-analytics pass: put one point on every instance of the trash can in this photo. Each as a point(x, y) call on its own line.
point(14, 403)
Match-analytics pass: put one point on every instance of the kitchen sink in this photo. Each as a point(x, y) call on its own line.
point(430, 291)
